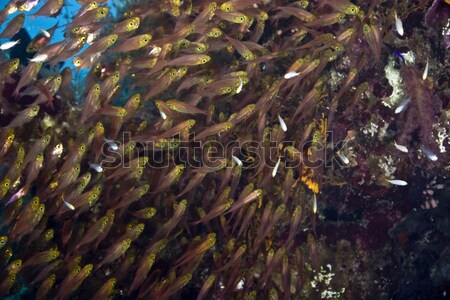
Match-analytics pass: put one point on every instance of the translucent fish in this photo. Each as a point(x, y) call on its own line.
point(50, 8)
point(24, 116)
point(184, 107)
point(190, 60)
point(13, 26)
point(106, 290)
point(239, 88)
point(215, 129)
point(115, 251)
point(343, 6)
point(133, 43)
point(127, 25)
point(28, 5)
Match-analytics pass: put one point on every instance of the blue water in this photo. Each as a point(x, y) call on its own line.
point(33, 24)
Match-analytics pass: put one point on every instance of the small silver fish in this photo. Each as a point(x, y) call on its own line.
point(239, 88)
point(425, 72)
point(402, 106)
point(155, 51)
point(237, 160)
point(9, 45)
point(398, 24)
point(112, 144)
point(274, 171)
point(29, 5)
point(314, 203)
point(69, 205)
point(290, 75)
point(39, 58)
point(343, 158)
point(282, 123)
point(45, 33)
point(430, 155)
point(400, 147)
point(96, 167)
point(397, 182)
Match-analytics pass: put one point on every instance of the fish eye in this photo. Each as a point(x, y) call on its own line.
point(35, 109)
point(6, 184)
point(226, 7)
point(41, 208)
